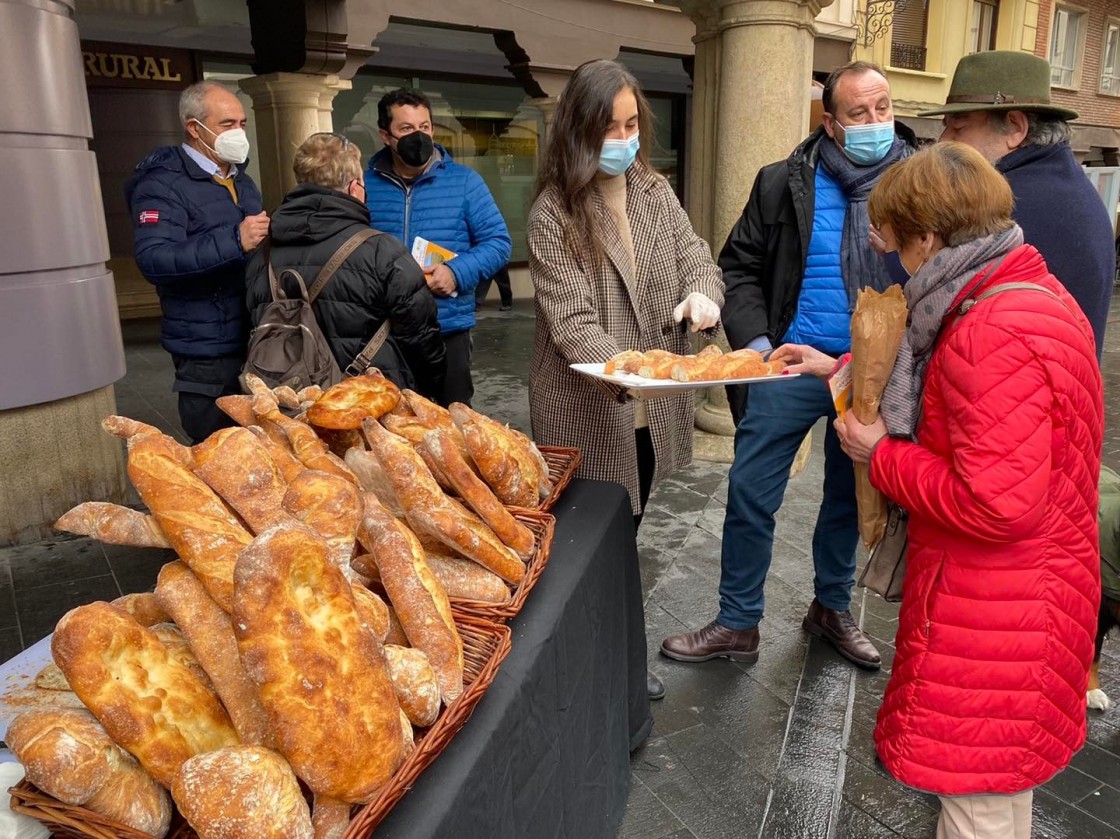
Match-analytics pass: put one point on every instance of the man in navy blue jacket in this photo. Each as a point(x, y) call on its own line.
point(414, 189)
point(999, 103)
point(196, 217)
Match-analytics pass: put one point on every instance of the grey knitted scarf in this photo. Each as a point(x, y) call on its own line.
point(929, 294)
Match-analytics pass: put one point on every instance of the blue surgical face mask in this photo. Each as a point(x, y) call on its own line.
point(866, 145)
point(617, 155)
point(895, 269)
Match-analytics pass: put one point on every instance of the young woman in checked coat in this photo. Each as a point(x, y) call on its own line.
point(614, 261)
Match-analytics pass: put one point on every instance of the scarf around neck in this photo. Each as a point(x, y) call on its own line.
point(859, 264)
point(929, 294)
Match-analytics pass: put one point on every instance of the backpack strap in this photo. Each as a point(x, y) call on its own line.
point(365, 358)
point(273, 283)
point(340, 256)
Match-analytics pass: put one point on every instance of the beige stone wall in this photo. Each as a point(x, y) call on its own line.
point(53, 456)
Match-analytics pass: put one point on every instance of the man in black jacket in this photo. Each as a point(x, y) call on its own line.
point(793, 266)
point(999, 104)
point(380, 280)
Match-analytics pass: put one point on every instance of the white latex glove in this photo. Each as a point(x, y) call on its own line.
point(699, 309)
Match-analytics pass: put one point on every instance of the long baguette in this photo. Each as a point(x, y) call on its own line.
point(113, 524)
point(199, 526)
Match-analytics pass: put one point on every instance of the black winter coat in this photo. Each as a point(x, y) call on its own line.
point(763, 260)
point(379, 280)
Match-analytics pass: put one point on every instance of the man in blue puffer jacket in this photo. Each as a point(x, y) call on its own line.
point(196, 217)
point(414, 189)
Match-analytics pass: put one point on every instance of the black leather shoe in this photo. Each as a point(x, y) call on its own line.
point(840, 630)
point(654, 688)
point(713, 641)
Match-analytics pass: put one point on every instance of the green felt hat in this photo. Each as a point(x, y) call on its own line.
point(1001, 80)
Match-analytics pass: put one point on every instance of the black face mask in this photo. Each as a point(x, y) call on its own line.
point(415, 149)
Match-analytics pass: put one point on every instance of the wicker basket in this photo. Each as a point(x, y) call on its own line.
point(562, 465)
point(543, 526)
point(485, 645)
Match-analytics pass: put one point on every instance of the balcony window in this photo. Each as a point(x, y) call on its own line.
point(908, 34)
point(1110, 60)
point(1065, 46)
point(982, 32)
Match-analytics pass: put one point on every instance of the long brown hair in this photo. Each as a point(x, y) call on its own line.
point(570, 160)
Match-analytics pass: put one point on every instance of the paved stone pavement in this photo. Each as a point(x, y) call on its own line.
point(780, 748)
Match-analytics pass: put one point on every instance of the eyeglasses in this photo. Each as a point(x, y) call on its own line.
point(345, 142)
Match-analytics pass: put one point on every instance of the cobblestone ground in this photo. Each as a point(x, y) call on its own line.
point(781, 748)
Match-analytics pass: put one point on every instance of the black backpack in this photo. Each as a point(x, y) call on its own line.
point(288, 347)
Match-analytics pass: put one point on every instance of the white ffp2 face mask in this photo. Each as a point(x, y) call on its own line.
point(231, 146)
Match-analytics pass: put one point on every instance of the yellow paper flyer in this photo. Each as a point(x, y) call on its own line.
point(840, 385)
point(428, 254)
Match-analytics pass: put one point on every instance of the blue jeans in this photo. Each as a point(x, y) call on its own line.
point(778, 416)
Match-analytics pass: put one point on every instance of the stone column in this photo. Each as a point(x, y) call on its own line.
point(547, 106)
point(289, 108)
point(60, 348)
point(752, 72)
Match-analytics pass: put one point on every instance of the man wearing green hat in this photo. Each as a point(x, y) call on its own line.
point(999, 103)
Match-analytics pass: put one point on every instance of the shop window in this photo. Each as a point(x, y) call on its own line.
point(487, 126)
point(982, 32)
point(908, 35)
point(1110, 60)
point(1065, 46)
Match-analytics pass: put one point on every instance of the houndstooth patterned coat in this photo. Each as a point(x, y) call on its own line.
point(589, 310)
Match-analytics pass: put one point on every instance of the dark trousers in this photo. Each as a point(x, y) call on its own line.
point(647, 462)
point(199, 381)
point(778, 416)
point(505, 291)
point(457, 384)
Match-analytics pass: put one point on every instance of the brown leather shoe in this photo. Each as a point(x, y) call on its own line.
point(840, 630)
point(713, 641)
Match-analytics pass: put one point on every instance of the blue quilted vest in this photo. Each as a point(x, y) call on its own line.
point(823, 320)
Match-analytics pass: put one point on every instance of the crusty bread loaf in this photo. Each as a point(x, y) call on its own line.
point(281, 453)
point(430, 512)
point(329, 818)
point(506, 459)
point(286, 397)
point(372, 478)
point(339, 442)
point(417, 596)
point(238, 407)
point(434, 415)
point(476, 494)
point(372, 611)
point(180, 650)
point(210, 633)
point(126, 429)
point(627, 361)
point(237, 466)
point(305, 443)
point(149, 703)
point(344, 405)
point(332, 507)
point(143, 607)
point(67, 754)
point(51, 678)
point(462, 579)
point(415, 683)
point(408, 736)
point(113, 524)
point(395, 634)
point(321, 677)
point(242, 792)
point(199, 526)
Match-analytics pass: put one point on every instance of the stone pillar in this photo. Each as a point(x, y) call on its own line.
point(766, 64)
point(60, 348)
point(289, 108)
point(547, 106)
point(751, 74)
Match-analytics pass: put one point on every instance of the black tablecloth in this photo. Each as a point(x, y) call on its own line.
point(546, 752)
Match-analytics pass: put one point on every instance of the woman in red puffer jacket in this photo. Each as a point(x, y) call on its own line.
point(990, 437)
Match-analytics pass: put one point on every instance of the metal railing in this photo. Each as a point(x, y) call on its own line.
point(908, 57)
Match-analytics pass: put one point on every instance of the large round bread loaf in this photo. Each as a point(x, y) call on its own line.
point(321, 675)
point(67, 754)
point(242, 792)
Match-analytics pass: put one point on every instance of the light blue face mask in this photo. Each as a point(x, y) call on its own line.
point(617, 155)
point(866, 145)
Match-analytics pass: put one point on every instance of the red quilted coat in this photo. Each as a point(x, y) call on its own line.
point(999, 606)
